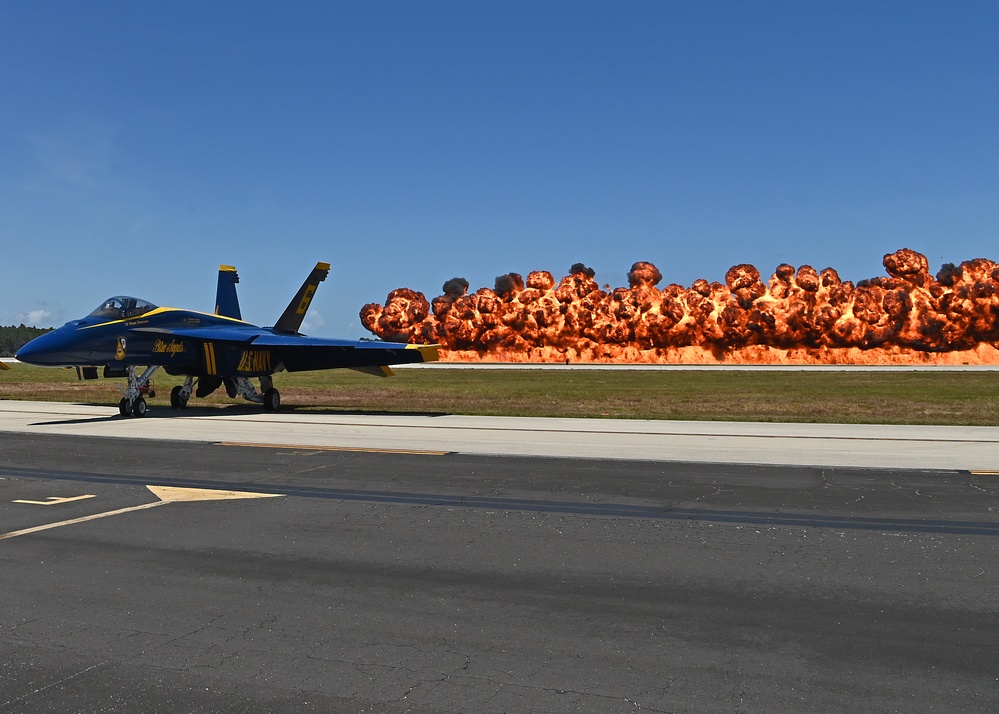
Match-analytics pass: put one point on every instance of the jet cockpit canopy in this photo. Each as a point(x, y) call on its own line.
point(121, 307)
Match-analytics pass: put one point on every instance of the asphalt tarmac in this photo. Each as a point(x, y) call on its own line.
point(140, 572)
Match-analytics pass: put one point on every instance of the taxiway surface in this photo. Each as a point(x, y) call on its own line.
point(147, 569)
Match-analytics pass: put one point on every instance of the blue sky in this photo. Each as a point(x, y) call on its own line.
point(142, 144)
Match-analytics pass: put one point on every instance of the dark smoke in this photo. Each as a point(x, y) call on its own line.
point(644, 273)
point(509, 284)
point(455, 287)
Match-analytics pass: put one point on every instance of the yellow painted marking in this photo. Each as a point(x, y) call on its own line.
point(985, 473)
point(171, 494)
point(430, 353)
point(171, 348)
point(165, 494)
point(303, 306)
point(210, 358)
point(255, 361)
point(313, 447)
point(55, 500)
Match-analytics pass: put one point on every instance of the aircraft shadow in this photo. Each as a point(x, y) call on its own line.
point(242, 409)
point(231, 410)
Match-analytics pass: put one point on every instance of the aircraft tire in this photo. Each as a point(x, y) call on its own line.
point(175, 397)
point(139, 407)
point(123, 407)
point(272, 400)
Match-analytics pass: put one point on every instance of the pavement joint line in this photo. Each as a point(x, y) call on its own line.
point(313, 447)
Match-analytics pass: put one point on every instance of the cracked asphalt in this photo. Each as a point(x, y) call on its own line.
point(384, 582)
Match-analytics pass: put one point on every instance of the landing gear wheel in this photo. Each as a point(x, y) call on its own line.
point(139, 407)
point(177, 400)
point(272, 400)
point(124, 408)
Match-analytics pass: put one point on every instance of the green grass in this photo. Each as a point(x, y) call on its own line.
point(842, 397)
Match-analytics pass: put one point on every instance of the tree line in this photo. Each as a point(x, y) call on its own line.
point(14, 337)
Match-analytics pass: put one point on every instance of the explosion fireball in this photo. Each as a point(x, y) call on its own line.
point(797, 317)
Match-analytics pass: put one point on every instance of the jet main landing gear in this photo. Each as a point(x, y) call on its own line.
point(134, 404)
point(180, 395)
point(271, 396)
point(268, 396)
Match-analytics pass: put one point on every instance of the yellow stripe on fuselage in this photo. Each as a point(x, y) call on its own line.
point(161, 311)
point(210, 366)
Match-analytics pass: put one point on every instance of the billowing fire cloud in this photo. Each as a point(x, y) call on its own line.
point(798, 316)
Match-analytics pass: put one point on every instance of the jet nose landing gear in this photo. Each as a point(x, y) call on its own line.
point(137, 407)
point(132, 403)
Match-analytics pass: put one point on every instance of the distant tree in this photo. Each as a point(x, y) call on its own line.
point(13, 338)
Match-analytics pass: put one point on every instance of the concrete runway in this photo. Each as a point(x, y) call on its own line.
point(399, 565)
point(862, 446)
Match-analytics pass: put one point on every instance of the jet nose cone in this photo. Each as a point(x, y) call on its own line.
point(28, 353)
point(43, 350)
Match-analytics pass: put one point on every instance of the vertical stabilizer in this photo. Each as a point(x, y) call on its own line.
point(226, 301)
point(291, 320)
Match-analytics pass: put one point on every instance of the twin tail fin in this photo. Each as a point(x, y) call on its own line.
point(291, 320)
point(227, 303)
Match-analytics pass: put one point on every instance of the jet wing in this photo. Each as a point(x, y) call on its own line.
point(299, 354)
point(4, 365)
point(238, 349)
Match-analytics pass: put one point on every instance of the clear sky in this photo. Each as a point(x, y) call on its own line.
point(144, 143)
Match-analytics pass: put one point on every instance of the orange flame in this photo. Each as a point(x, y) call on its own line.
point(798, 316)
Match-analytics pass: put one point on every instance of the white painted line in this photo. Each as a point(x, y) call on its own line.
point(47, 526)
point(55, 500)
point(165, 494)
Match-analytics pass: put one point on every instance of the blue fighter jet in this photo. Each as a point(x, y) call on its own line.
point(209, 350)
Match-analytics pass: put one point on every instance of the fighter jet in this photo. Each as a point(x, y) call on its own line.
point(208, 350)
